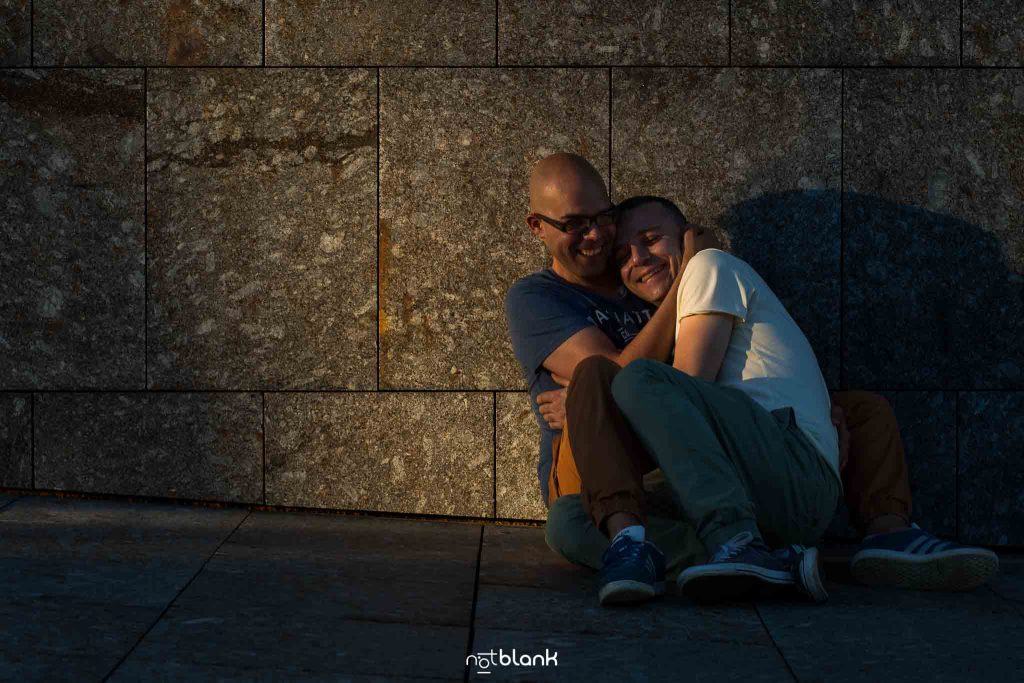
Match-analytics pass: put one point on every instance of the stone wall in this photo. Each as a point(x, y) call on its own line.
point(256, 251)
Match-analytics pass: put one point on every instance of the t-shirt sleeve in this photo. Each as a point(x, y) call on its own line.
point(539, 321)
point(713, 282)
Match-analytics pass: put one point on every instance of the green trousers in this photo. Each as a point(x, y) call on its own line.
point(729, 466)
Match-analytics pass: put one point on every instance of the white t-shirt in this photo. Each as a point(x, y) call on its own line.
point(768, 357)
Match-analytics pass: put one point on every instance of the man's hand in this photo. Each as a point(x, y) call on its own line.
point(552, 407)
point(839, 420)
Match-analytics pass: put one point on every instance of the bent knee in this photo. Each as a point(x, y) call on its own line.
point(629, 383)
point(596, 367)
point(566, 519)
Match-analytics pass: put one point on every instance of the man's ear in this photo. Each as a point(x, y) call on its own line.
point(536, 228)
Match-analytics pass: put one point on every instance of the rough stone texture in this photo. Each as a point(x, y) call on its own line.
point(754, 153)
point(16, 441)
point(845, 32)
point(876, 634)
point(262, 188)
point(84, 579)
point(450, 32)
point(593, 32)
point(927, 421)
point(933, 246)
point(518, 438)
point(181, 445)
point(456, 152)
point(352, 601)
point(990, 504)
point(519, 556)
point(427, 453)
point(108, 552)
point(147, 32)
point(994, 32)
point(72, 230)
point(15, 39)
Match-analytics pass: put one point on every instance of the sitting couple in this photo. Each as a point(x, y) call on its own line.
point(697, 376)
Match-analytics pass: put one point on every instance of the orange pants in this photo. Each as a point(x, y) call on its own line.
point(875, 479)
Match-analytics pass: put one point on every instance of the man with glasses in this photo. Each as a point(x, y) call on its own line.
point(579, 308)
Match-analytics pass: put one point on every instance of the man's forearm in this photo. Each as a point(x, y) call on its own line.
point(656, 338)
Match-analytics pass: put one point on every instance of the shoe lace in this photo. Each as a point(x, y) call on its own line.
point(733, 547)
point(627, 550)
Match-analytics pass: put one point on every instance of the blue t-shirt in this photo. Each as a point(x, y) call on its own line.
point(543, 311)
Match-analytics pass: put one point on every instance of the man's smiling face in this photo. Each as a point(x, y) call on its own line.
point(562, 188)
point(649, 250)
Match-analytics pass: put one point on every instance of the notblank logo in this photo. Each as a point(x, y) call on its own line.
point(484, 661)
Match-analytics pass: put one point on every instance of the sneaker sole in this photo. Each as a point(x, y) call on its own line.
point(950, 570)
point(706, 583)
point(627, 590)
point(810, 576)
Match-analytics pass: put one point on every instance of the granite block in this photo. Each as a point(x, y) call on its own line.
point(990, 504)
point(890, 634)
point(845, 32)
point(15, 33)
point(365, 32)
point(518, 439)
point(622, 656)
point(16, 440)
point(754, 154)
point(456, 151)
point(927, 421)
point(993, 32)
point(148, 32)
point(180, 445)
point(591, 32)
point(264, 633)
point(262, 214)
point(428, 453)
point(933, 246)
point(72, 226)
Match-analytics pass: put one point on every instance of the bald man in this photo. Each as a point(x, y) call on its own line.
point(578, 307)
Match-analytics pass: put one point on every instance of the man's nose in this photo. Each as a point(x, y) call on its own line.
point(640, 254)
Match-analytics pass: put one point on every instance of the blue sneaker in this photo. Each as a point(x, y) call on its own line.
point(805, 563)
point(631, 571)
point(913, 558)
point(744, 567)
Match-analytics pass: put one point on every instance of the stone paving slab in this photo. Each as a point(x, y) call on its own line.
point(106, 552)
point(336, 594)
point(518, 556)
point(623, 657)
point(251, 637)
point(884, 634)
point(84, 579)
point(530, 599)
point(173, 672)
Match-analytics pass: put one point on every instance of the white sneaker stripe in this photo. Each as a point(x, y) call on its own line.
point(912, 548)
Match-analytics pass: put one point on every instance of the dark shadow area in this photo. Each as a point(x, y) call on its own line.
point(892, 297)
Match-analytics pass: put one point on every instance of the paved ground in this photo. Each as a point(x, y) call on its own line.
point(99, 590)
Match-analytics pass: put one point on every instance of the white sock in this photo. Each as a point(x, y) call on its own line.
point(635, 532)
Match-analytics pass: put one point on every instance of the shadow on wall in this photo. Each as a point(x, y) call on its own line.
point(929, 301)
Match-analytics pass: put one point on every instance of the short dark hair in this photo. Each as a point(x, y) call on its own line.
point(640, 200)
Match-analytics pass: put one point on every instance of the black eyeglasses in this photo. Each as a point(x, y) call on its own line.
point(580, 224)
